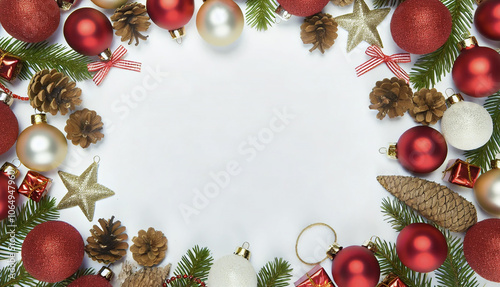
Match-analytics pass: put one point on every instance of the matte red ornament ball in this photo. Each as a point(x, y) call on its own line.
point(91, 280)
point(9, 128)
point(52, 251)
point(88, 31)
point(355, 266)
point(170, 14)
point(5, 202)
point(482, 248)
point(303, 8)
point(487, 19)
point(30, 20)
point(421, 149)
point(421, 26)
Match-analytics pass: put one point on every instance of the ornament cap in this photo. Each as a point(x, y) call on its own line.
point(64, 5)
point(370, 245)
point(467, 43)
point(495, 163)
point(333, 250)
point(282, 13)
point(392, 151)
point(243, 251)
point(453, 99)
point(105, 55)
point(38, 119)
point(106, 273)
point(9, 169)
point(177, 34)
point(6, 98)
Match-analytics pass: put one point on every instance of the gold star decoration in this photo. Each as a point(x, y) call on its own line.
point(83, 190)
point(362, 24)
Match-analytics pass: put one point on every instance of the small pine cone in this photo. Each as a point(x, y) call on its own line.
point(84, 128)
point(148, 277)
point(107, 244)
point(433, 201)
point(428, 106)
point(51, 91)
point(342, 3)
point(391, 97)
point(149, 247)
point(129, 21)
point(320, 30)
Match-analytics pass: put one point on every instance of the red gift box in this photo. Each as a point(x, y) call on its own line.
point(462, 173)
point(317, 277)
point(391, 280)
point(10, 66)
point(34, 185)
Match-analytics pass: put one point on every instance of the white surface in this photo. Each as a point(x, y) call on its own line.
point(194, 110)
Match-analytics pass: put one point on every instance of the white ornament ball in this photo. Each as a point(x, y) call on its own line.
point(466, 125)
point(232, 271)
point(220, 22)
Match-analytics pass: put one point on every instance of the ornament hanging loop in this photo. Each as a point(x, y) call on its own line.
point(332, 249)
point(382, 150)
point(97, 159)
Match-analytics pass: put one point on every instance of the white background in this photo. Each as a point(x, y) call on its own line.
point(194, 108)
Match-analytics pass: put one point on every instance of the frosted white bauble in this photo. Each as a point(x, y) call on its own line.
point(466, 125)
point(232, 271)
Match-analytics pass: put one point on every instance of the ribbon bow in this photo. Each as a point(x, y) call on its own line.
point(378, 57)
point(313, 284)
point(102, 68)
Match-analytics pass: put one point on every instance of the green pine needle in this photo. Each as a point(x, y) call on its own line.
point(22, 278)
point(26, 218)
point(275, 273)
point(482, 156)
point(386, 3)
point(39, 56)
point(260, 13)
point(397, 215)
point(196, 262)
point(429, 68)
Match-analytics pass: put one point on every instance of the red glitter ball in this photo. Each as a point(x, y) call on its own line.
point(52, 251)
point(482, 248)
point(30, 20)
point(303, 8)
point(9, 128)
point(421, 26)
point(91, 280)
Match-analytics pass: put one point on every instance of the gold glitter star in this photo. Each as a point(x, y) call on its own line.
point(83, 190)
point(362, 24)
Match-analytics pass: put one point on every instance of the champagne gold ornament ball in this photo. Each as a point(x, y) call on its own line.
point(220, 22)
point(487, 191)
point(109, 4)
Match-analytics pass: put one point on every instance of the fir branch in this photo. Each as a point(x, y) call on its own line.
point(429, 68)
point(482, 156)
point(260, 13)
point(398, 214)
point(386, 3)
point(26, 218)
point(196, 262)
point(39, 56)
point(275, 273)
point(22, 278)
point(79, 273)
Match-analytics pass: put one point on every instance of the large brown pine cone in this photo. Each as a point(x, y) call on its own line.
point(391, 97)
point(129, 21)
point(107, 244)
point(320, 30)
point(428, 106)
point(149, 247)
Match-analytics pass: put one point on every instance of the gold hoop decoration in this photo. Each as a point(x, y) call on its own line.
point(307, 228)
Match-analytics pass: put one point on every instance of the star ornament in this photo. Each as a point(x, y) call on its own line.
point(83, 190)
point(362, 24)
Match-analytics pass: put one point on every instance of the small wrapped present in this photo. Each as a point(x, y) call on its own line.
point(10, 66)
point(35, 185)
point(462, 173)
point(317, 277)
point(391, 280)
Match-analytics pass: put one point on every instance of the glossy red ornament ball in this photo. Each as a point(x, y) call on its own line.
point(30, 20)
point(52, 251)
point(421, 247)
point(170, 14)
point(303, 8)
point(9, 128)
point(91, 280)
point(355, 266)
point(88, 31)
point(487, 19)
point(476, 71)
point(421, 149)
point(421, 26)
point(5, 201)
point(482, 248)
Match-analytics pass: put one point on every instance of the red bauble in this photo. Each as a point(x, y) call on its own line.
point(487, 19)
point(476, 71)
point(421, 247)
point(91, 280)
point(52, 251)
point(9, 128)
point(88, 31)
point(482, 248)
point(421, 149)
point(5, 187)
point(355, 266)
point(303, 8)
point(421, 26)
point(30, 20)
point(170, 14)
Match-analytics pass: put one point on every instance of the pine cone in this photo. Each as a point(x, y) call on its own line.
point(341, 3)
point(320, 30)
point(107, 244)
point(433, 201)
point(51, 91)
point(391, 97)
point(149, 247)
point(428, 106)
point(148, 277)
point(129, 20)
point(84, 128)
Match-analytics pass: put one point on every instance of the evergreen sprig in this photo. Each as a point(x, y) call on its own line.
point(429, 68)
point(26, 218)
point(39, 56)
point(386, 3)
point(275, 273)
point(482, 156)
point(260, 13)
point(22, 278)
point(397, 215)
point(196, 262)
point(79, 273)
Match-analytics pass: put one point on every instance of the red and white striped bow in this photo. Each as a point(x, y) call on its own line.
point(391, 61)
point(102, 68)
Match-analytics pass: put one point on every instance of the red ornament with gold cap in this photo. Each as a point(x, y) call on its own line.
point(172, 15)
point(9, 127)
point(302, 8)
point(100, 280)
point(487, 19)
